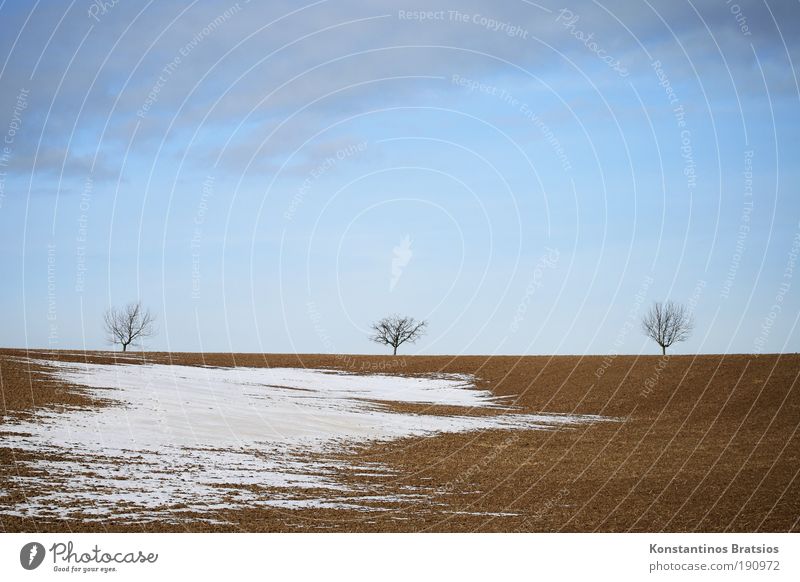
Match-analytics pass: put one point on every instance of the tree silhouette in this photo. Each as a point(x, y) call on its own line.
point(396, 330)
point(124, 326)
point(667, 323)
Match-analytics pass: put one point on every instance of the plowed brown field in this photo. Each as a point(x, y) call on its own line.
point(705, 443)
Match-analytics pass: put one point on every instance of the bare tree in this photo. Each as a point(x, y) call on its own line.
point(396, 330)
point(128, 324)
point(667, 323)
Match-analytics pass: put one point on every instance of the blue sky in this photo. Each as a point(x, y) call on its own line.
point(528, 177)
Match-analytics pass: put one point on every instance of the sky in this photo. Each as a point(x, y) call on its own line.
point(528, 177)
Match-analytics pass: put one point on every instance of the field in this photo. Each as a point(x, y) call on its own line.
point(578, 444)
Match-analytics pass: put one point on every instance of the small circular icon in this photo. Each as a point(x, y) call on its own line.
point(31, 555)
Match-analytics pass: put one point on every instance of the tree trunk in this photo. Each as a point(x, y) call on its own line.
point(663, 350)
point(395, 351)
point(124, 347)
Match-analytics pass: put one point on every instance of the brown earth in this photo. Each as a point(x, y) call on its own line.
point(705, 443)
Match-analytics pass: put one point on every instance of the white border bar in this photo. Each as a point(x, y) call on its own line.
point(406, 557)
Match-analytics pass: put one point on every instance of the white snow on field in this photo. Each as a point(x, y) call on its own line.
point(199, 439)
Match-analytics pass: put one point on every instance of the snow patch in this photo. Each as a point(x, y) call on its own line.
point(186, 439)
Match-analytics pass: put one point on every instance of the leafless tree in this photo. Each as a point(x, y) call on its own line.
point(128, 324)
point(396, 330)
point(667, 323)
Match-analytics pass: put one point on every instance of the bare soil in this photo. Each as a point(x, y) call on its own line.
point(707, 443)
